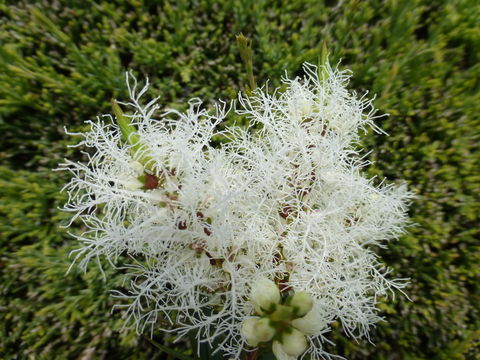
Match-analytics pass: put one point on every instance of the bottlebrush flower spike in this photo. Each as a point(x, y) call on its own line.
point(208, 226)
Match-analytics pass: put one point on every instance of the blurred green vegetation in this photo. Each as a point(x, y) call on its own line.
point(61, 61)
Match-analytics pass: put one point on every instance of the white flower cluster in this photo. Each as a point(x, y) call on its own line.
point(225, 237)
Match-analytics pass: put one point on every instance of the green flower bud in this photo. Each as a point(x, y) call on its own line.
point(263, 330)
point(248, 331)
point(264, 295)
point(257, 330)
point(302, 302)
point(277, 349)
point(310, 324)
point(294, 343)
point(282, 313)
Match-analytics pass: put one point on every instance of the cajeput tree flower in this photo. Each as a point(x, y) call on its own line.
point(256, 245)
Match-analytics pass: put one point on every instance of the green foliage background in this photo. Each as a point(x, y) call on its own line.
point(61, 61)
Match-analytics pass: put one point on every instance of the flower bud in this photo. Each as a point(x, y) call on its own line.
point(264, 294)
point(248, 331)
point(282, 313)
point(279, 353)
point(310, 324)
point(263, 330)
point(294, 343)
point(302, 303)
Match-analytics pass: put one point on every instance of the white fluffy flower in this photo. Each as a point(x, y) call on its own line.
point(285, 202)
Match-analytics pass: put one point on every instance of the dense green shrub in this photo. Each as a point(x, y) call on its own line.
point(61, 62)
